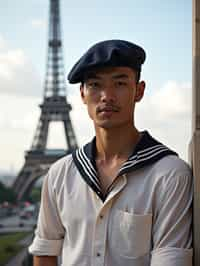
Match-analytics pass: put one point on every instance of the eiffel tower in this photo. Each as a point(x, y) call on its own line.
point(54, 108)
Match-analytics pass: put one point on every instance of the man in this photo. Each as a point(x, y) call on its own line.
point(124, 199)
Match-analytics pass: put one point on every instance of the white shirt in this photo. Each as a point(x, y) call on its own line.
point(145, 218)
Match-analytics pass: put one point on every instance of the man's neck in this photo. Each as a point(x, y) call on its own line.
point(115, 143)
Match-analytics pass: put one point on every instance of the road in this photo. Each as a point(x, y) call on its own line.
point(16, 224)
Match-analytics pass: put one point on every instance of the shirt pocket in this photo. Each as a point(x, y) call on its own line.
point(131, 234)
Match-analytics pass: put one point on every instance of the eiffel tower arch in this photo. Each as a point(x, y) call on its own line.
point(55, 107)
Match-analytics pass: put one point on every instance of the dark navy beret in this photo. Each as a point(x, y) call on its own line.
point(108, 53)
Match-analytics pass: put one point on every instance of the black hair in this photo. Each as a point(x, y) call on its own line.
point(137, 76)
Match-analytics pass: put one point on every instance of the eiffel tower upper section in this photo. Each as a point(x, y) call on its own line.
point(55, 85)
point(55, 106)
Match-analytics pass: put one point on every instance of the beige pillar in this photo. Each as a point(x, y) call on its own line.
point(195, 143)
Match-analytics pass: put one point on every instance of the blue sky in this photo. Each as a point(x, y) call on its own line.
point(163, 28)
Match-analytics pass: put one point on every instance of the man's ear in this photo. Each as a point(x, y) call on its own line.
point(82, 93)
point(139, 91)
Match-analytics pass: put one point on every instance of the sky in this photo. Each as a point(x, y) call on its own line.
point(162, 28)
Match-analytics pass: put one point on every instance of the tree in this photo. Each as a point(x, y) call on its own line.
point(7, 194)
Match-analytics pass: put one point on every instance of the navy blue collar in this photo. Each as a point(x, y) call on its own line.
point(147, 151)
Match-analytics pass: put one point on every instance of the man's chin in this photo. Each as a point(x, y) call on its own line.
point(106, 125)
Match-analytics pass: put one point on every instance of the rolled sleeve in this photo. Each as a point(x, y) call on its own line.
point(50, 232)
point(171, 257)
point(42, 247)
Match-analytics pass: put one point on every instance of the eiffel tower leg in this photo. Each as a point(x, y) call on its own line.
point(19, 182)
point(26, 179)
point(69, 133)
point(40, 138)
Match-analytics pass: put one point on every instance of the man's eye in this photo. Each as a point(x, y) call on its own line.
point(121, 83)
point(94, 85)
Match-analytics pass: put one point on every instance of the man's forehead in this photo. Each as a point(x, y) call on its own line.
point(114, 72)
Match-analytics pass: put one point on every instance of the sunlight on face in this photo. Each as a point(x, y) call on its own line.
point(110, 95)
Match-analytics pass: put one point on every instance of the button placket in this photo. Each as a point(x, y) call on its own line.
point(102, 224)
point(100, 235)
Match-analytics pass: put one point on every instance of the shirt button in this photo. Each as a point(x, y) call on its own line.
point(101, 216)
point(98, 254)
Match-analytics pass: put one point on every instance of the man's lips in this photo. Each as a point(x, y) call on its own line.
point(107, 109)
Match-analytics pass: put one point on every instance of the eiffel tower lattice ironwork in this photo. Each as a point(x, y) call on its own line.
point(54, 108)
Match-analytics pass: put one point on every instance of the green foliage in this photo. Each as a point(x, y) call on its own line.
point(7, 194)
point(9, 246)
point(35, 195)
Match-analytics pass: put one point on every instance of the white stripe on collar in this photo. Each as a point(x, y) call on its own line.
point(142, 153)
point(139, 159)
point(87, 167)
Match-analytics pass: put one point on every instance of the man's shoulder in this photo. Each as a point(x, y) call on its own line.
point(172, 166)
point(60, 169)
point(61, 163)
point(171, 162)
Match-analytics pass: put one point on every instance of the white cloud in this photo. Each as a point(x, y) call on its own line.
point(167, 113)
point(38, 23)
point(17, 73)
point(2, 43)
point(18, 120)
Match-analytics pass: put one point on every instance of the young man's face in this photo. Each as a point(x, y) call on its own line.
point(110, 95)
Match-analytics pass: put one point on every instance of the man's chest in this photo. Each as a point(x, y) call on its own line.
point(77, 200)
point(119, 225)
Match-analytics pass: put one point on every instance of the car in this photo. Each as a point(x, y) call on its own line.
point(27, 212)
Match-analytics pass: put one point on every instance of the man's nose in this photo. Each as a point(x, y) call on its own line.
point(108, 93)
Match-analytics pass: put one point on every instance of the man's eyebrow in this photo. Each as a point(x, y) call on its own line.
point(119, 76)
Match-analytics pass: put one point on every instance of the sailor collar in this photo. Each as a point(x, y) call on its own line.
point(147, 151)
